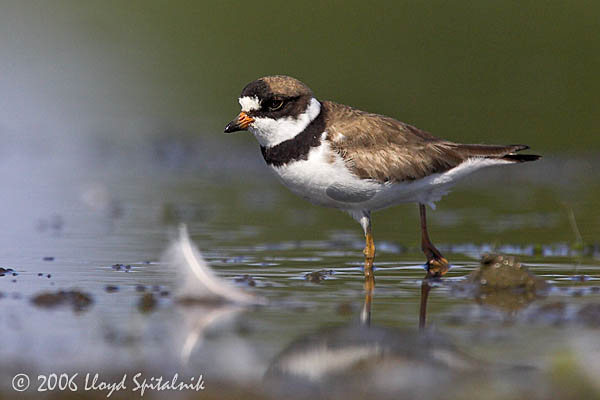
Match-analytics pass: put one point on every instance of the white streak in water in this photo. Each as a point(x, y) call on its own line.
point(197, 278)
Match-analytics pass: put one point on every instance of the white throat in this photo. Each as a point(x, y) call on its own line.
point(270, 132)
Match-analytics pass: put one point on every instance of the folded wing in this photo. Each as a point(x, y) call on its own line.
point(386, 150)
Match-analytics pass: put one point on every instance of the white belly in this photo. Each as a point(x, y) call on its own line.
point(311, 178)
point(325, 180)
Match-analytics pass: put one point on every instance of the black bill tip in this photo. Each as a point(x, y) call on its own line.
point(233, 126)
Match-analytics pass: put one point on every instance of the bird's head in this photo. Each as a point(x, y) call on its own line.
point(275, 109)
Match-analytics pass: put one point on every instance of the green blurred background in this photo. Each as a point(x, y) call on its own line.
point(481, 71)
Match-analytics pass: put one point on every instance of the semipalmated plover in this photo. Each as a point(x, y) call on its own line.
point(337, 156)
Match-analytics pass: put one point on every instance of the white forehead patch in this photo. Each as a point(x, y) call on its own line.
point(249, 103)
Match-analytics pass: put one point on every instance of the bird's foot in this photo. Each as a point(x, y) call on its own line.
point(437, 266)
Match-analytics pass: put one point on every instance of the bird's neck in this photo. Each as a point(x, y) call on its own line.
point(298, 147)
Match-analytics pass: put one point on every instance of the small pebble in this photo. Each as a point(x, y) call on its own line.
point(140, 288)
point(165, 293)
point(111, 288)
point(49, 276)
point(40, 274)
point(48, 258)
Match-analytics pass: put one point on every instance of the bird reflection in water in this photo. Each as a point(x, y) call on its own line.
point(427, 283)
point(344, 360)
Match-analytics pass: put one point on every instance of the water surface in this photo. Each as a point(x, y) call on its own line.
point(99, 224)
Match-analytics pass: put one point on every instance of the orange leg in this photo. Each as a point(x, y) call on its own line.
point(369, 253)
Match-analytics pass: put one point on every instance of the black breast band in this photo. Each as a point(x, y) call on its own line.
point(296, 148)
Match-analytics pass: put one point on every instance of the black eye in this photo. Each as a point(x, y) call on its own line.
point(275, 104)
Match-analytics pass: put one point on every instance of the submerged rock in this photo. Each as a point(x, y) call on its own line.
point(503, 282)
point(504, 272)
point(78, 300)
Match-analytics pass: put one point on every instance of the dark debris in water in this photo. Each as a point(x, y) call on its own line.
point(318, 276)
point(78, 300)
point(4, 271)
point(580, 278)
point(246, 280)
point(192, 301)
point(147, 302)
point(111, 288)
point(121, 267)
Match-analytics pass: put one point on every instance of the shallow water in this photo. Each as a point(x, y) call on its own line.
point(66, 224)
